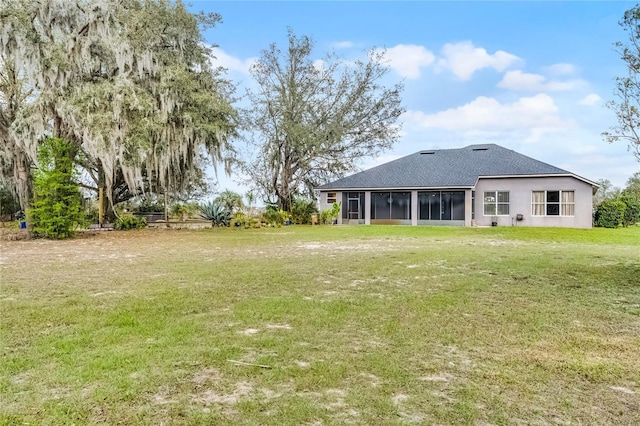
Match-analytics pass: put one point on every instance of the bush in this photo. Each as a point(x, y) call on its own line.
point(149, 203)
point(325, 217)
point(329, 216)
point(610, 213)
point(216, 213)
point(275, 216)
point(183, 211)
point(632, 212)
point(302, 209)
point(128, 222)
point(240, 219)
point(57, 208)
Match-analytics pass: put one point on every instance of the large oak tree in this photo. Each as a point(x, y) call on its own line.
point(128, 83)
point(312, 120)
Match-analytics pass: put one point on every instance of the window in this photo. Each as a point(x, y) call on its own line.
point(568, 203)
point(496, 203)
point(331, 197)
point(553, 203)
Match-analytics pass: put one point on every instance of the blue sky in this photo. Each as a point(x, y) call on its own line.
point(530, 76)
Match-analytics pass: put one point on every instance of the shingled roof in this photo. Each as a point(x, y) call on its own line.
point(446, 168)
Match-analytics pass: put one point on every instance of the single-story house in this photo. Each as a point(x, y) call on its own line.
point(480, 185)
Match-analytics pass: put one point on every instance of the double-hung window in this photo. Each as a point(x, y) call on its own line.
point(553, 203)
point(331, 197)
point(496, 203)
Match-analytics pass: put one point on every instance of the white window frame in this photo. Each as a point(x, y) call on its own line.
point(332, 197)
point(495, 203)
point(562, 204)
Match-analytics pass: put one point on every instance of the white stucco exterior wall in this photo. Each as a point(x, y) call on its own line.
point(324, 205)
point(520, 190)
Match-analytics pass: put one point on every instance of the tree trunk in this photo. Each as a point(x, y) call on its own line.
point(109, 213)
point(24, 180)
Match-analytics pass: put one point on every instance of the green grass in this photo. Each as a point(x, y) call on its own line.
point(360, 325)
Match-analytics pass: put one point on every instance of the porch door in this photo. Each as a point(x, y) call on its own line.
point(353, 207)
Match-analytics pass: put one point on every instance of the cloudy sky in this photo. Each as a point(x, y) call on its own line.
point(530, 76)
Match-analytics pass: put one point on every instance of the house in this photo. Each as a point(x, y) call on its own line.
point(480, 185)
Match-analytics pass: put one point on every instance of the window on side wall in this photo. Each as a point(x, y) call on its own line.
point(331, 197)
point(553, 203)
point(496, 203)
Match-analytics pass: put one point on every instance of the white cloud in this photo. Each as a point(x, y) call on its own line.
point(407, 59)
point(223, 59)
point(583, 149)
point(590, 100)
point(464, 59)
point(561, 69)
point(343, 45)
point(518, 80)
point(535, 114)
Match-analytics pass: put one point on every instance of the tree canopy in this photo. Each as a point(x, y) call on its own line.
point(312, 120)
point(128, 83)
point(626, 105)
point(15, 165)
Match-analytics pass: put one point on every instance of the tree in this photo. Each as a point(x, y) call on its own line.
point(311, 121)
point(632, 210)
point(631, 197)
point(128, 83)
point(606, 192)
point(615, 207)
point(57, 208)
point(232, 201)
point(15, 164)
point(626, 106)
point(633, 185)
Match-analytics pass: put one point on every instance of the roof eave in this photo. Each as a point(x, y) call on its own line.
point(573, 175)
point(394, 188)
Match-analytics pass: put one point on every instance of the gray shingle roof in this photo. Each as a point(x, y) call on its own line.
point(446, 168)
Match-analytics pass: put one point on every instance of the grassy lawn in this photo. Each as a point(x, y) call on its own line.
point(357, 325)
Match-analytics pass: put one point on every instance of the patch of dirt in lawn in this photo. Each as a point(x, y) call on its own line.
point(333, 400)
point(371, 245)
point(249, 331)
point(400, 400)
point(208, 397)
point(279, 327)
point(623, 390)
point(373, 380)
point(443, 378)
point(208, 375)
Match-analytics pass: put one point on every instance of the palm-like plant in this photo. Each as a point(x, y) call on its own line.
point(232, 201)
point(216, 213)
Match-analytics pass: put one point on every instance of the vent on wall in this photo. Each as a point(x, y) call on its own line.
point(427, 152)
point(480, 149)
